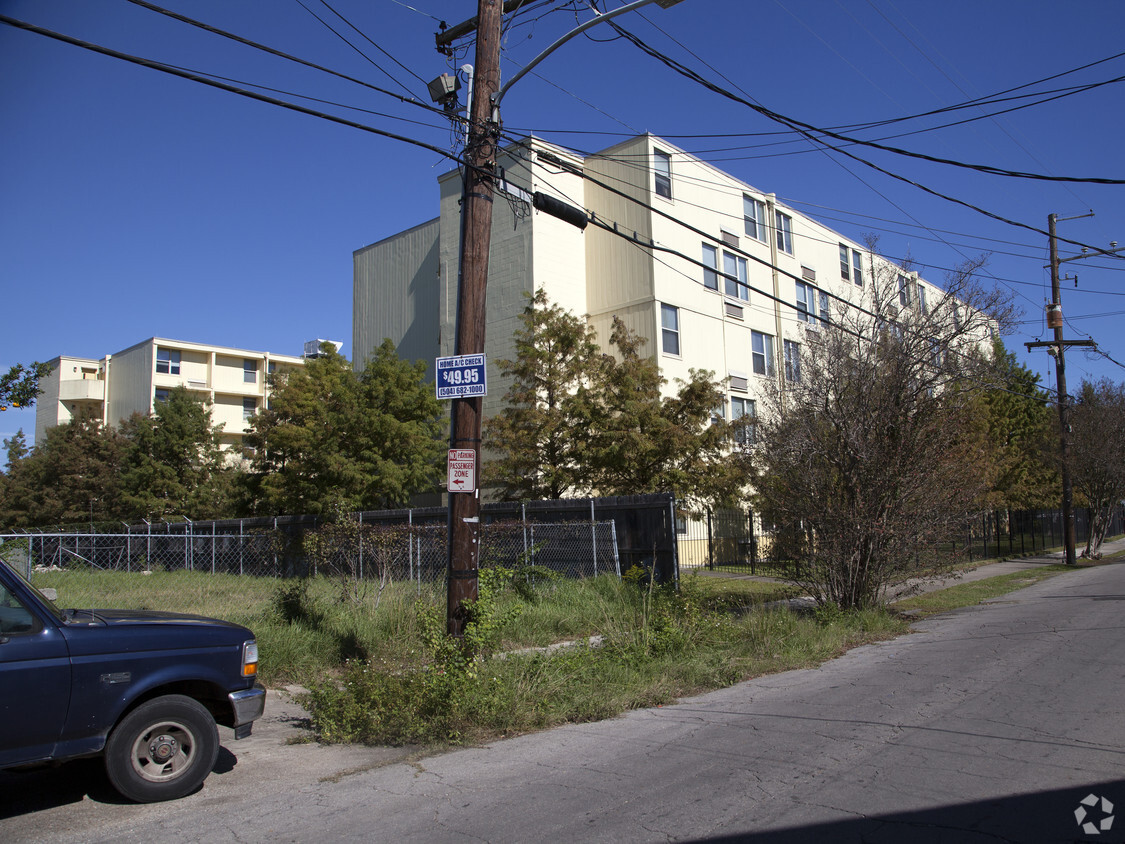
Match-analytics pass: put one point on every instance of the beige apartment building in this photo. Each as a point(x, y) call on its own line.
point(134, 380)
point(715, 273)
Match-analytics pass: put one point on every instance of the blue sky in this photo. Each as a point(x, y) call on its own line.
point(135, 204)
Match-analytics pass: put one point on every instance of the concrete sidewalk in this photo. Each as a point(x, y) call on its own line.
point(966, 575)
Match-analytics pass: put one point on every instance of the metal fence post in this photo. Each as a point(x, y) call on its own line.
point(675, 544)
point(593, 537)
point(523, 521)
point(241, 545)
point(212, 547)
point(710, 539)
point(410, 545)
point(361, 547)
point(616, 556)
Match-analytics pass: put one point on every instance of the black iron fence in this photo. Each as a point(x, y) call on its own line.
point(733, 540)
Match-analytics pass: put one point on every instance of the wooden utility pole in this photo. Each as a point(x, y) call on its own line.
point(1064, 410)
point(476, 236)
point(1057, 348)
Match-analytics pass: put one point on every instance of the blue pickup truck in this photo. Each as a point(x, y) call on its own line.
point(142, 689)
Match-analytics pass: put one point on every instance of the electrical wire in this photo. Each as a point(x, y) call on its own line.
point(360, 52)
point(173, 71)
point(288, 57)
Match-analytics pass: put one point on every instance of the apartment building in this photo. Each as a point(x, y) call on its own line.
point(134, 380)
point(715, 273)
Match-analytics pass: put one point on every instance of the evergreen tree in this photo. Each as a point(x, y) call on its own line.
point(16, 448)
point(73, 477)
point(333, 441)
point(579, 422)
point(642, 441)
point(1019, 419)
point(539, 436)
point(174, 464)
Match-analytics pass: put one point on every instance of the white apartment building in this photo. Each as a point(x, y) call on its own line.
point(232, 381)
point(715, 273)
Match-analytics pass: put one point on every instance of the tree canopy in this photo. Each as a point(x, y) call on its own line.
point(578, 421)
point(1097, 453)
point(72, 477)
point(335, 441)
point(876, 454)
point(174, 464)
point(1020, 424)
point(19, 386)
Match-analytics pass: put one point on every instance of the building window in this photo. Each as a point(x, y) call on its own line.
point(761, 348)
point(739, 382)
point(743, 414)
point(168, 361)
point(737, 280)
point(249, 371)
point(809, 299)
point(670, 329)
point(710, 267)
point(857, 267)
point(663, 167)
point(754, 215)
point(903, 291)
point(249, 407)
point(922, 300)
point(161, 395)
point(845, 267)
point(792, 352)
point(784, 228)
point(271, 367)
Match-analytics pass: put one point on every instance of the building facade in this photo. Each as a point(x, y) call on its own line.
point(715, 273)
point(231, 381)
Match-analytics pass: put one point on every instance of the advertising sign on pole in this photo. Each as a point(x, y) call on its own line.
point(461, 376)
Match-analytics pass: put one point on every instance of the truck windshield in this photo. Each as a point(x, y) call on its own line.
point(46, 602)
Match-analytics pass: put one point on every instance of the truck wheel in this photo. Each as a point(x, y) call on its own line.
point(162, 750)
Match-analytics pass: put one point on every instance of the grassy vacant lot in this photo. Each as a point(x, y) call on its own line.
point(380, 669)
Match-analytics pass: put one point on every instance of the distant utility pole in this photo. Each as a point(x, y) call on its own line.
point(476, 236)
point(1057, 349)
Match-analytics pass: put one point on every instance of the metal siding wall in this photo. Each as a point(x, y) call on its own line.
point(395, 294)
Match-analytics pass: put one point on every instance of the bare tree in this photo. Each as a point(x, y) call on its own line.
point(873, 454)
point(1098, 454)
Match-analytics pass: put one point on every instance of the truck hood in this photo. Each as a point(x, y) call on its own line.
point(135, 618)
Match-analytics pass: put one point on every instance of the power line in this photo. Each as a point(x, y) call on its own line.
point(809, 131)
point(288, 57)
point(173, 71)
point(340, 35)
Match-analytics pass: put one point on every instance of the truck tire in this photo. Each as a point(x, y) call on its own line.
point(162, 750)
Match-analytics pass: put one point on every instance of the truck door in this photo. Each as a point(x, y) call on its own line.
point(34, 682)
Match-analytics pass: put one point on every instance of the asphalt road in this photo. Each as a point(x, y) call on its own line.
point(989, 724)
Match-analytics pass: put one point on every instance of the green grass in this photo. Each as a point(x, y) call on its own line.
point(971, 594)
point(381, 670)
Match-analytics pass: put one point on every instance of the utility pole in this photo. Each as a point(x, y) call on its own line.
point(476, 236)
point(1057, 348)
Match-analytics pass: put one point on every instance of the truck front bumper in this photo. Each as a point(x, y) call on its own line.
point(248, 706)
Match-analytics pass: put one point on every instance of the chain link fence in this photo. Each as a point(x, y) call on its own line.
point(395, 552)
